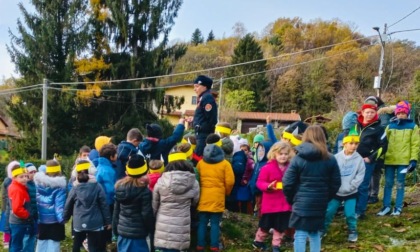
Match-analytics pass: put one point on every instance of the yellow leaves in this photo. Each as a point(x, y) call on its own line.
point(86, 66)
point(16, 99)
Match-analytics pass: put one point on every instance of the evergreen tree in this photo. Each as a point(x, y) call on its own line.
point(249, 50)
point(197, 37)
point(210, 37)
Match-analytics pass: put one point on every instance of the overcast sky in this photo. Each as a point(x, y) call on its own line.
point(221, 15)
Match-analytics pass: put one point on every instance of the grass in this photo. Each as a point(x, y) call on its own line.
point(376, 234)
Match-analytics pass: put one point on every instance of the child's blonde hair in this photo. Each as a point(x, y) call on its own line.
point(277, 148)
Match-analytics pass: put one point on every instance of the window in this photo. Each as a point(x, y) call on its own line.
point(194, 100)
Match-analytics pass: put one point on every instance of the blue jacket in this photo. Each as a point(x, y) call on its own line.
point(93, 156)
point(32, 195)
point(205, 115)
point(162, 147)
point(261, 154)
point(124, 151)
point(50, 198)
point(106, 177)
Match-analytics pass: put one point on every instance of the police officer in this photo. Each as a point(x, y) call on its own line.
point(205, 116)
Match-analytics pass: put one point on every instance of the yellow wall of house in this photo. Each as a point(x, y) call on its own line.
point(188, 93)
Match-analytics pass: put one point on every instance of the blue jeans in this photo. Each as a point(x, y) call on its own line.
point(17, 233)
point(132, 245)
point(349, 212)
point(300, 241)
point(389, 183)
point(204, 218)
point(200, 139)
point(363, 190)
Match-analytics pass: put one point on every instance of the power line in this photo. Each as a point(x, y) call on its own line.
point(18, 91)
point(211, 69)
point(406, 16)
point(19, 88)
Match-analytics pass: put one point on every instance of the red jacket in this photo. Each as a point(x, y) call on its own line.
point(153, 178)
point(19, 197)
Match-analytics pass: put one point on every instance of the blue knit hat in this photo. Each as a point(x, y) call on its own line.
point(204, 80)
point(349, 119)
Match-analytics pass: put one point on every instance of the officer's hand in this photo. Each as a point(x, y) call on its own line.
point(181, 121)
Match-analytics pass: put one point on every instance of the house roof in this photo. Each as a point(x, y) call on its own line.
point(179, 84)
point(10, 128)
point(273, 116)
point(317, 119)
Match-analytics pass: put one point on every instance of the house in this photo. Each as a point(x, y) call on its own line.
point(248, 121)
point(6, 131)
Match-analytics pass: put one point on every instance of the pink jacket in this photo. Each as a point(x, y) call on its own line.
point(153, 178)
point(272, 201)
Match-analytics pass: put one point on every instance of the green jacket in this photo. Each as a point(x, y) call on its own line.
point(403, 142)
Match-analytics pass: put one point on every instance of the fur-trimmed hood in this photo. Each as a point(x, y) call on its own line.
point(42, 179)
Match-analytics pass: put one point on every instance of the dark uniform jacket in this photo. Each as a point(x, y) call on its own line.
point(373, 142)
point(205, 116)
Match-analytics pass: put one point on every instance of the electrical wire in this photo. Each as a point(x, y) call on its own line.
point(19, 91)
point(20, 88)
point(406, 16)
point(211, 69)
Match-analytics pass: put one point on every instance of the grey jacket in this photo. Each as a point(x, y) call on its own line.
point(87, 203)
point(352, 171)
point(173, 195)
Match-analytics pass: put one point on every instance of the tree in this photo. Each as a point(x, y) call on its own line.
point(210, 37)
point(240, 100)
point(254, 74)
point(197, 37)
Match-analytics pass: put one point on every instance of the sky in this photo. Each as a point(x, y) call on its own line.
point(221, 15)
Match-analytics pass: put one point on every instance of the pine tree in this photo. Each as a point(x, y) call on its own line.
point(210, 37)
point(197, 37)
point(249, 50)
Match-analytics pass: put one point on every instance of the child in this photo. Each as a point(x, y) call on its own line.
point(174, 194)
point(133, 214)
point(216, 182)
point(29, 240)
point(155, 147)
point(87, 204)
point(50, 197)
point(107, 177)
point(274, 208)
point(403, 150)
point(244, 193)
point(223, 129)
point(156, 169)
point(310, 182)
point(349, 120)
point(126, 149)
point(99, 142)
point(352, 170)
point(20, 219)
point(5, 206)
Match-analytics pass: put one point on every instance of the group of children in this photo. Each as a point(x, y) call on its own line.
point(151, 188)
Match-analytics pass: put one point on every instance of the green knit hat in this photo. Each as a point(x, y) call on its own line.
point(258, 138)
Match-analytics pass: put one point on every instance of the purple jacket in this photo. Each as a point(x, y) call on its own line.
point(273, 201)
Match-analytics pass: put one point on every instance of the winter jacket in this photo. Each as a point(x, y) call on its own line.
point(311, 182)
point(50, 197)
point(20, 203)
point(273, 201)
point(227, 147)
point(205, 115)
point(133, 214)
point(261, 154)
point(5, 206)
point(32, 195)
point(352, 171)
point(106, 177)
point(373, 142)
point(153, 179)
point(238, 163)
point(403, 142)
point(154, 148)
point(87, 203)
point(216, 180)
point(248, 169)
point(93, 156)
point(124, 151)
point(173, 196)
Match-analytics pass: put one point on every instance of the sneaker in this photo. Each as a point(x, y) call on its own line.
point(259, 245)
point(199, 249)
point(373, 200)
point(212, 249)
point(384, 211)
point(352, 236)
point(276, 249)
point(397, 212)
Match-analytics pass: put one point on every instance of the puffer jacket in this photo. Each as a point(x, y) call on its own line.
point(20, 204)
point(154, 148)
point(403, 142)
point(311, 182)
point(106, 177)
point(32, 195)
point(50, 197)
point(173, 196)
point(216, 180)
point(133, 214)
point(87, 203)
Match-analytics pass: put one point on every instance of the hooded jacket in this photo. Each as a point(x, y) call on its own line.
point(50, 197)
point(20, 204)
point(133, 214)
point(87, 203)
point(154, 148)
point(216, 180)
point(403, 142)
point(352, 171)
point(261, 155)
point(124, 151)
point(373, 142)
point(311, 182)
point(173, 196)
point(106, 177)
